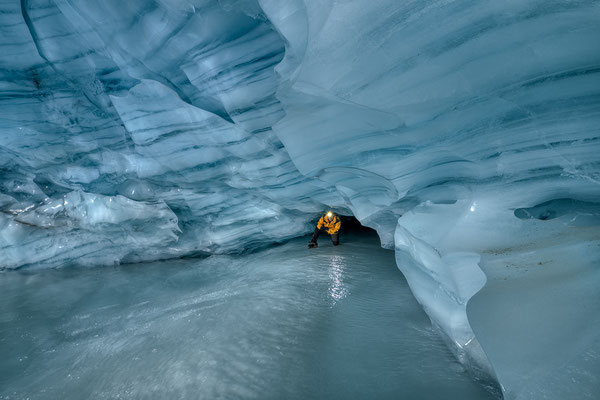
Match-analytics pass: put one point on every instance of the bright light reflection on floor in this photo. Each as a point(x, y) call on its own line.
point(337, 290)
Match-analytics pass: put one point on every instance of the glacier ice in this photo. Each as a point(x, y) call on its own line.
point(282, 323)
point(83, 226)
point(465, 133)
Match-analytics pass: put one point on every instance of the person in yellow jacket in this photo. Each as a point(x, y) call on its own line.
point(330, 223)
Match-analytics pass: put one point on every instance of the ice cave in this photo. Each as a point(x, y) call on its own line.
point(163, 164)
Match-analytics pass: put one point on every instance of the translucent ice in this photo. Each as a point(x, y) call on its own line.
point(87, 229)
point(478, 117)
point(283, 323)
point(456, 130)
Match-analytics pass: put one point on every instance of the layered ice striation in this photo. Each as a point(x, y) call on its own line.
point(163, 103)
point(443, 125)
point(466, 133)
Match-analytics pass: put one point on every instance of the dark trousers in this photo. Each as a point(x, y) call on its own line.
point(335, 238)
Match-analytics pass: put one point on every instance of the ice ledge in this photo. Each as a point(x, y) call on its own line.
point(443, 284)
point(85, 229)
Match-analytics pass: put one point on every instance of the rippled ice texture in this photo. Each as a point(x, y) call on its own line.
point(287, 322)
point(465, 132)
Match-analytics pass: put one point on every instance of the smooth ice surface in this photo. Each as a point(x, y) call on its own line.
point(333, 322)
point(456, 129)
point(545, 288)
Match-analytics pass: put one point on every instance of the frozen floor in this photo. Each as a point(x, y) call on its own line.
point(284, 323)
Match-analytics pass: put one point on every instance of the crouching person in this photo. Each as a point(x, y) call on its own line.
point(331, 224)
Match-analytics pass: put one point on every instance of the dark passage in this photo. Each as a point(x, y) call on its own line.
point(352, 225)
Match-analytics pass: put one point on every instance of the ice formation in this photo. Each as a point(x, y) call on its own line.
point(466, 133)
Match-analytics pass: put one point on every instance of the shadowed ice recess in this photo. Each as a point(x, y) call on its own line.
point(466, 133)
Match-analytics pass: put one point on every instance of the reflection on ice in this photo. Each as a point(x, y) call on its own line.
point(337, 290)
point(259, 326)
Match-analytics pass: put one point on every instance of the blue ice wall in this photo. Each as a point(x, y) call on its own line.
point(465, 132)
point(167, 104)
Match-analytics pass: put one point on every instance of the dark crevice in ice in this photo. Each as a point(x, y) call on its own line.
point(556, 208)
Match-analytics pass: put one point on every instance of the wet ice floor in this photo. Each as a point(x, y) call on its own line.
point(284, 323)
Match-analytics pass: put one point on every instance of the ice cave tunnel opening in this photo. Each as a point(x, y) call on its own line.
point(466, 135)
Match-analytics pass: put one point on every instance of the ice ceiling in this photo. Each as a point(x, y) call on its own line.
point(465, 132)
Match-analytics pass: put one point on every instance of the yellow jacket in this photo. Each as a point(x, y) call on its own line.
point(332, 227)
